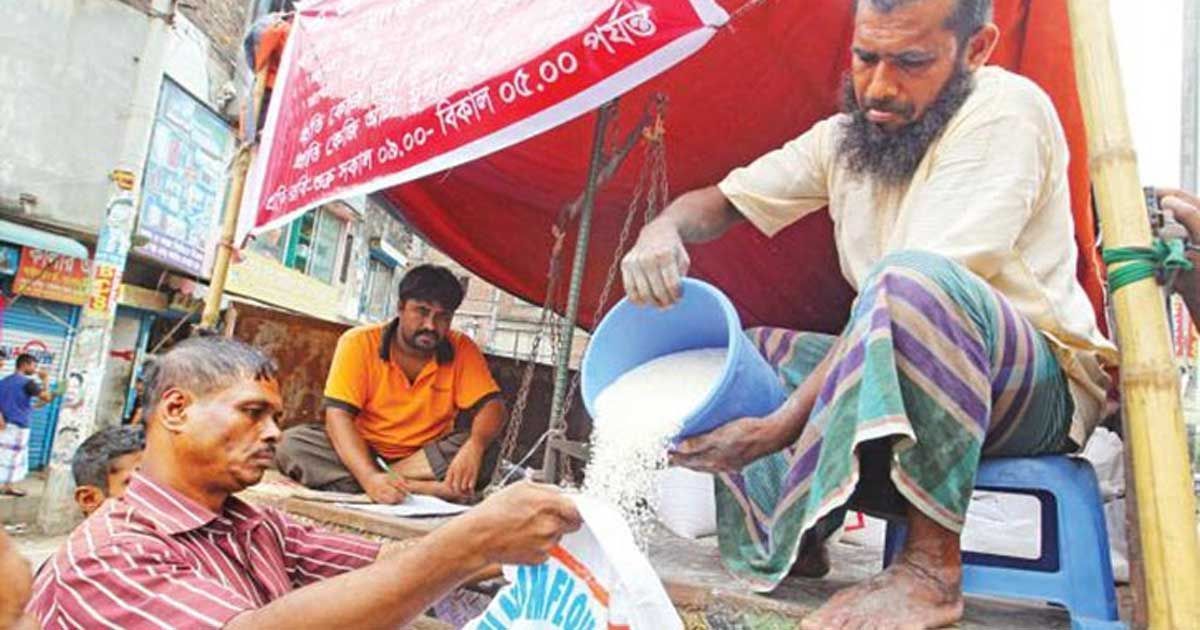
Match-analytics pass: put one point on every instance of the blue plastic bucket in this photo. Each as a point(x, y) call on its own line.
point(630, 335)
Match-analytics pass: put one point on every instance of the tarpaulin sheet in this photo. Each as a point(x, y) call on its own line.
point(764, 78)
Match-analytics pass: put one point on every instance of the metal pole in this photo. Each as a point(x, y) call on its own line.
point(1191, 94)
point(563, 363)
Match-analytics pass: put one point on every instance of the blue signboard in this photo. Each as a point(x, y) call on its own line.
point(183, 185)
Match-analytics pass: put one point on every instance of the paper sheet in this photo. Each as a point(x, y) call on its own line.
point(414, 505)
point(322, 496)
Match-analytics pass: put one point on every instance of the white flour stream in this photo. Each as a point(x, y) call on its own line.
point(636, 417)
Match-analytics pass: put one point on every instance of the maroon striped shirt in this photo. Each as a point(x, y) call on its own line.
point(157, 559)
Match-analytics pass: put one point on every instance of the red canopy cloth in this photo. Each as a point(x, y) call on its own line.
point(764, 78)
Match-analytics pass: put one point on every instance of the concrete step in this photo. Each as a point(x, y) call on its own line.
point(23, 510)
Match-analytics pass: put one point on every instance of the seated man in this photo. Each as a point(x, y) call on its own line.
point(410, 394)
point(180, 551)
point(103, 465)
point(971, 336)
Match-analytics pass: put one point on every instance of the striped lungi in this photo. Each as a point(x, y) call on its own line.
point(14, 453)
point(933, 369)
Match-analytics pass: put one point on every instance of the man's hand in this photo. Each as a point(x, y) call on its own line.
point(522, 523)
point(653, 270)
point(1186, 209)
point(731, 447)
point(1185, 206)
point(385, 487)
point(463, 473)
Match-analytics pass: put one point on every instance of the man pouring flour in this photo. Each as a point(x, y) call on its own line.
point(947, 184)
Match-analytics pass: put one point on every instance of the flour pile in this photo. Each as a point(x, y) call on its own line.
point(636, 417)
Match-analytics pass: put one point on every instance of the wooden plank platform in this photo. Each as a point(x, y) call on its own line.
point(692, 573)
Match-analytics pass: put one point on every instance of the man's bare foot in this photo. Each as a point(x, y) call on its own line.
point(923, 589)
point(904, 597)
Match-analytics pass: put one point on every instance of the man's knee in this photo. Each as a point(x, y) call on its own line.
point(919, 273)
point(305, 454)
point(297, 440)
point(915, 262)
point(926, 285)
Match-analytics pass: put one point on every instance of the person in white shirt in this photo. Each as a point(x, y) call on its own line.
point(971, 336)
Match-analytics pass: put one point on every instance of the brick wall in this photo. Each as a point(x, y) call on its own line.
point(222, 20)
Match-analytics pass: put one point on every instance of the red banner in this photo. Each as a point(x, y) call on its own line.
point(51, 276)
point(375, 93)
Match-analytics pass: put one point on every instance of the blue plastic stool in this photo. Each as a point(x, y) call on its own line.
point(1074, 569)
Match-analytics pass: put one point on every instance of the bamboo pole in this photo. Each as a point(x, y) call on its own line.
point(229, 219)
point(1149, 382)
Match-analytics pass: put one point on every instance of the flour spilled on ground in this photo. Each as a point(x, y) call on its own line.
point(636, 417)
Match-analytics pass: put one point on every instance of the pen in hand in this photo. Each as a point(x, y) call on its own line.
point(393, 476)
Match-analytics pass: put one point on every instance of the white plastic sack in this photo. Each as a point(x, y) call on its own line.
point(1118, 546)
point(595, 578)
point(1105, 452)
point(1004, 524)
point(686, 502)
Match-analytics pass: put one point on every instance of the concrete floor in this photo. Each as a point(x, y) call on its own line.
point(23, 509)
point(19, 518)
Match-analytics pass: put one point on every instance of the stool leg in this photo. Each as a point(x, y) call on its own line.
point(1085, 558)
point(893, 541)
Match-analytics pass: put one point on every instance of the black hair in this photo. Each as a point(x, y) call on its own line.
point(432, 283)
point(90, 465)
point(202, 365)
point(965, 20)
point(24, 359)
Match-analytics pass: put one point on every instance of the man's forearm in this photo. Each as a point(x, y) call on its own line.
point(794, 413)
point(396, 589)
point(1190, 292)
point(45, 394)
point(701, 215)
point(350, 446)
point(488, 422)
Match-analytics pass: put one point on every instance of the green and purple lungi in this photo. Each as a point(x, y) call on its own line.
point(934, 369)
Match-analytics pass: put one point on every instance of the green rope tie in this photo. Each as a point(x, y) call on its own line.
point(1144, 262)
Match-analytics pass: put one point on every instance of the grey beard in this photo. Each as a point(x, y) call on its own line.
point(891, 157)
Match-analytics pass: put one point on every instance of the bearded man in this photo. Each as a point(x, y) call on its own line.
point(970, 336)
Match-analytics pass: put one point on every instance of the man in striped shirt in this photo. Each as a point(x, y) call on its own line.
point(179, 551)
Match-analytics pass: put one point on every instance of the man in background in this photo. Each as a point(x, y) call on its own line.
point(104, 464)
point(410, 405)
point(20, 393)
point(179, 550)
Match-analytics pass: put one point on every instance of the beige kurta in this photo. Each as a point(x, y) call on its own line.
point(990, 193)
